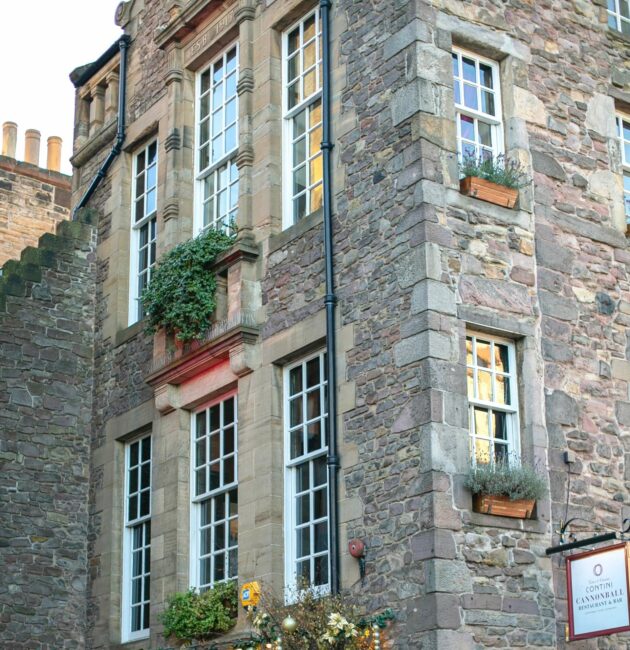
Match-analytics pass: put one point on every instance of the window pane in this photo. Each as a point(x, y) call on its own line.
point(467, 126)
point(485, 73)
point(295, 380)
point(470, 73)
point(297, 443)
point(321, 570)
point(481, 422)
point(470, 96)
point(487, 102)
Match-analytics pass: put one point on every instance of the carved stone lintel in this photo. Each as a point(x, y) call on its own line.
point(245, 81)
point(245, 156)
point(173, 140)
point(244, 358)
point(171, 209)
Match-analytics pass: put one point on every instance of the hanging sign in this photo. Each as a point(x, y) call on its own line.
point(597, 587)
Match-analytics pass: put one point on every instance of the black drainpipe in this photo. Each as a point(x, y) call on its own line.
point(123, 44)
point(330, 300)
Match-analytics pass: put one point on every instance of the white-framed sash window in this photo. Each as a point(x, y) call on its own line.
point(214, 534)
point(623, 132)
point(216, 192)
point(492, 399)
point(619, 15)
point(307, 556)
point(143, 226)
point(302, 111)
point(478, 112)
point(136, 597)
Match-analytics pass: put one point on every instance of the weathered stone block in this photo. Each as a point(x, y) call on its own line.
point(434, 543)
point(561, 409)
point(417, 96)
point(448, 576)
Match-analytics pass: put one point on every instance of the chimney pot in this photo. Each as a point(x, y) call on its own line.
point(53, 159)
point(9, 139)
point(32, 139)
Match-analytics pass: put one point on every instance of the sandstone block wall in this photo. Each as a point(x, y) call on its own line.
point(46, 352)
point(32, 201)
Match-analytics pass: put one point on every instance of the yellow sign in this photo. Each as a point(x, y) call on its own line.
point(250, 594)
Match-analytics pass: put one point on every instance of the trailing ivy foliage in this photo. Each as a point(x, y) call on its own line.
point(194, 616)
point(505, 479)
point(181, 294)
point(499, 170)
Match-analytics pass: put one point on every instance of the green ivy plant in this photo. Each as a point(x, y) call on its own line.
point(499, 170)
point(503, 478)
point(199, 616)
point(181, 294)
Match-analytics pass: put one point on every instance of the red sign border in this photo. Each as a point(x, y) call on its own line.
point(578, 556)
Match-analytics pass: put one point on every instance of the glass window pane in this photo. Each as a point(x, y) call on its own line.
point(303, 541)
point(299, 179)
point(455, 65)
point(487, 102)
point(321, 570)
point(219, 567)
point(481, 422)
point(483, 354)
point(295, 380)
point(457, 92)
point(320, 471)
point(470, 96)
point(316, 170)
point(297, 443)
point(230, 85)
point(299, 207)
point(230, 138)
point(467, 126)
point(309, 28)
point(293, 94)
point(293, 67)
point(145, 503)
point(230, 111)
point(293, 40)
point(303, 509)
point(499, 425)
point(320, 503)
point(313, 404)
point(215, 417)
point(470, 73)
point(228, 470)
point(484, 385)
point(310, 83)
point(200, 481)
point(312, 372)
point(321, 537)
point(295, 410)
point(299, 151)
point(485, 74)
point(145, 481)
point(485, 133)
point(316, 198)
point(302, 474)
point(299, 124)
point(482, 451)
point(309, 55)
point(215, 476)
point(314, 437)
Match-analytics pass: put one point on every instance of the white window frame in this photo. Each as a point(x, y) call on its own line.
point(198, 500)
point(290, 474)
point(288, 217)
point(620, 120)
point(149, 218)
point(129, 526)
point(494, 121)
point(621, 22)
point(513, 442)
point(227, 159)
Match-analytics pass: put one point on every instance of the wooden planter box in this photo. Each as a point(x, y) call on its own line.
point(487, 191)
point(498, 505)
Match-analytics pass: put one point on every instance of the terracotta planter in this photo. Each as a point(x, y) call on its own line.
point(487, 191)
point(498, 505)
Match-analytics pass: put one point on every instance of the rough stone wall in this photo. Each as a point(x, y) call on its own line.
point(46, 353)
point(32, 201)
point(416, 262)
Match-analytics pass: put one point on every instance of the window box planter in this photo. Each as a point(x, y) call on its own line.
point(485, 190)
point(502, 506)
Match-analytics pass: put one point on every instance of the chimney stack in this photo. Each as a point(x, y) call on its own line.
point(31, 146)
point(9, 139)
point(53, 159)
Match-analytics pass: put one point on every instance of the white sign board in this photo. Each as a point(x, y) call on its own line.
point(597, 588)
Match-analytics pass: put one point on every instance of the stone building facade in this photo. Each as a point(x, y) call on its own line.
point(33, 199)
point(463, 328)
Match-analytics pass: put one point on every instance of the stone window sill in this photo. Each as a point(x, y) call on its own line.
point(494, 521)
point(128, 333)
point(297, 230)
